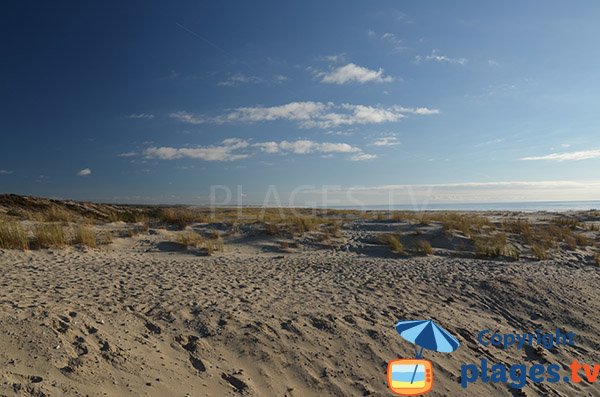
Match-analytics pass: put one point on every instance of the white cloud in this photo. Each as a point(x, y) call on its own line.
point(292, 111)
point(418, 111)
point(386, 141)
point(567, 156)
point(186, 117)
point(352, 73)
point(85, 172)
point(436, 57)
point(334, 58)
point(363, 157)
point(127, 154)
point(239, 78)
point(393, 40)
point(268, 147)
point(5, 172)
point(224, 152)
point(309, 114)
point(141, 116)
point(304, 146)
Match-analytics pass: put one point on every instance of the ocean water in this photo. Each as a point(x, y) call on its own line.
point(529, 206)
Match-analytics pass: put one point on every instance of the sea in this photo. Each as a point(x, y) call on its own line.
point(526, 206)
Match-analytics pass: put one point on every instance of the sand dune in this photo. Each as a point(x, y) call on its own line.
point(140, 317)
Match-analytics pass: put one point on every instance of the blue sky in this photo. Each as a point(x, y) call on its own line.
point(368, 101)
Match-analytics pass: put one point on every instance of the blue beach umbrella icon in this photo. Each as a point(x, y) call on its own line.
point(427, 335)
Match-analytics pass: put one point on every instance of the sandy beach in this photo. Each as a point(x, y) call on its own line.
point(271, 316)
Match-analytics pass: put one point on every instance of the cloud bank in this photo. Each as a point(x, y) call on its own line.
point(352, 73)
point(309, 114)
point(567, 156)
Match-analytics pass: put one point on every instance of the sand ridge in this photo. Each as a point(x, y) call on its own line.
point(138, 318)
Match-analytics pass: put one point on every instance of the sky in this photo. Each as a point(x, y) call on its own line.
point(300, 102)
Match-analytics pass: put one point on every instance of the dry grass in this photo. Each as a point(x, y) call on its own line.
point(392, 242)
point(85, 235)
point(568, 222)
point(571, 242)
point(49, 235)
point(128, 216)
point(213, 246)
point(13, 236)
point(190, 239)
point(57, 214)
point(540, 252)
point(272, 229)
point(494, 246)
point(193, 239)
point(335, 229)
point(522, 228)
point(597, 259)
point(423, 247)
point(303, 224)
point(181, 217)
point(467, 224)
point(103, 238)
point(582, 240)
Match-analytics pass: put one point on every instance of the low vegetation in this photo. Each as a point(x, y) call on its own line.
point(195, 240)
point(55, 223)
point(540, 252)
point(423, 247)
point(49, 235)
point(393, 242)
point(181, 217)
point(85, 235)
point(190, 239)
point(494, 246)
point(13, 236)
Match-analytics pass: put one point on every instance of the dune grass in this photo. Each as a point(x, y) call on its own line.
point(85, 235)
point(13, 236)
point(49, 235)
point(181, 217)
point(540, 252)
point(212, 246)
point(467, 224)
point(272, 229)
point(195, 240)
point(190, 239)
point(494, 246)
point(57, 214)
point(392, 242)
point(423, 247)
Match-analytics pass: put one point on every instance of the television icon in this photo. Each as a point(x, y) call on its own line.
point(410, 377)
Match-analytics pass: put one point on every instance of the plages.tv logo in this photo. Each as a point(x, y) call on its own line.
point(412, 377)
